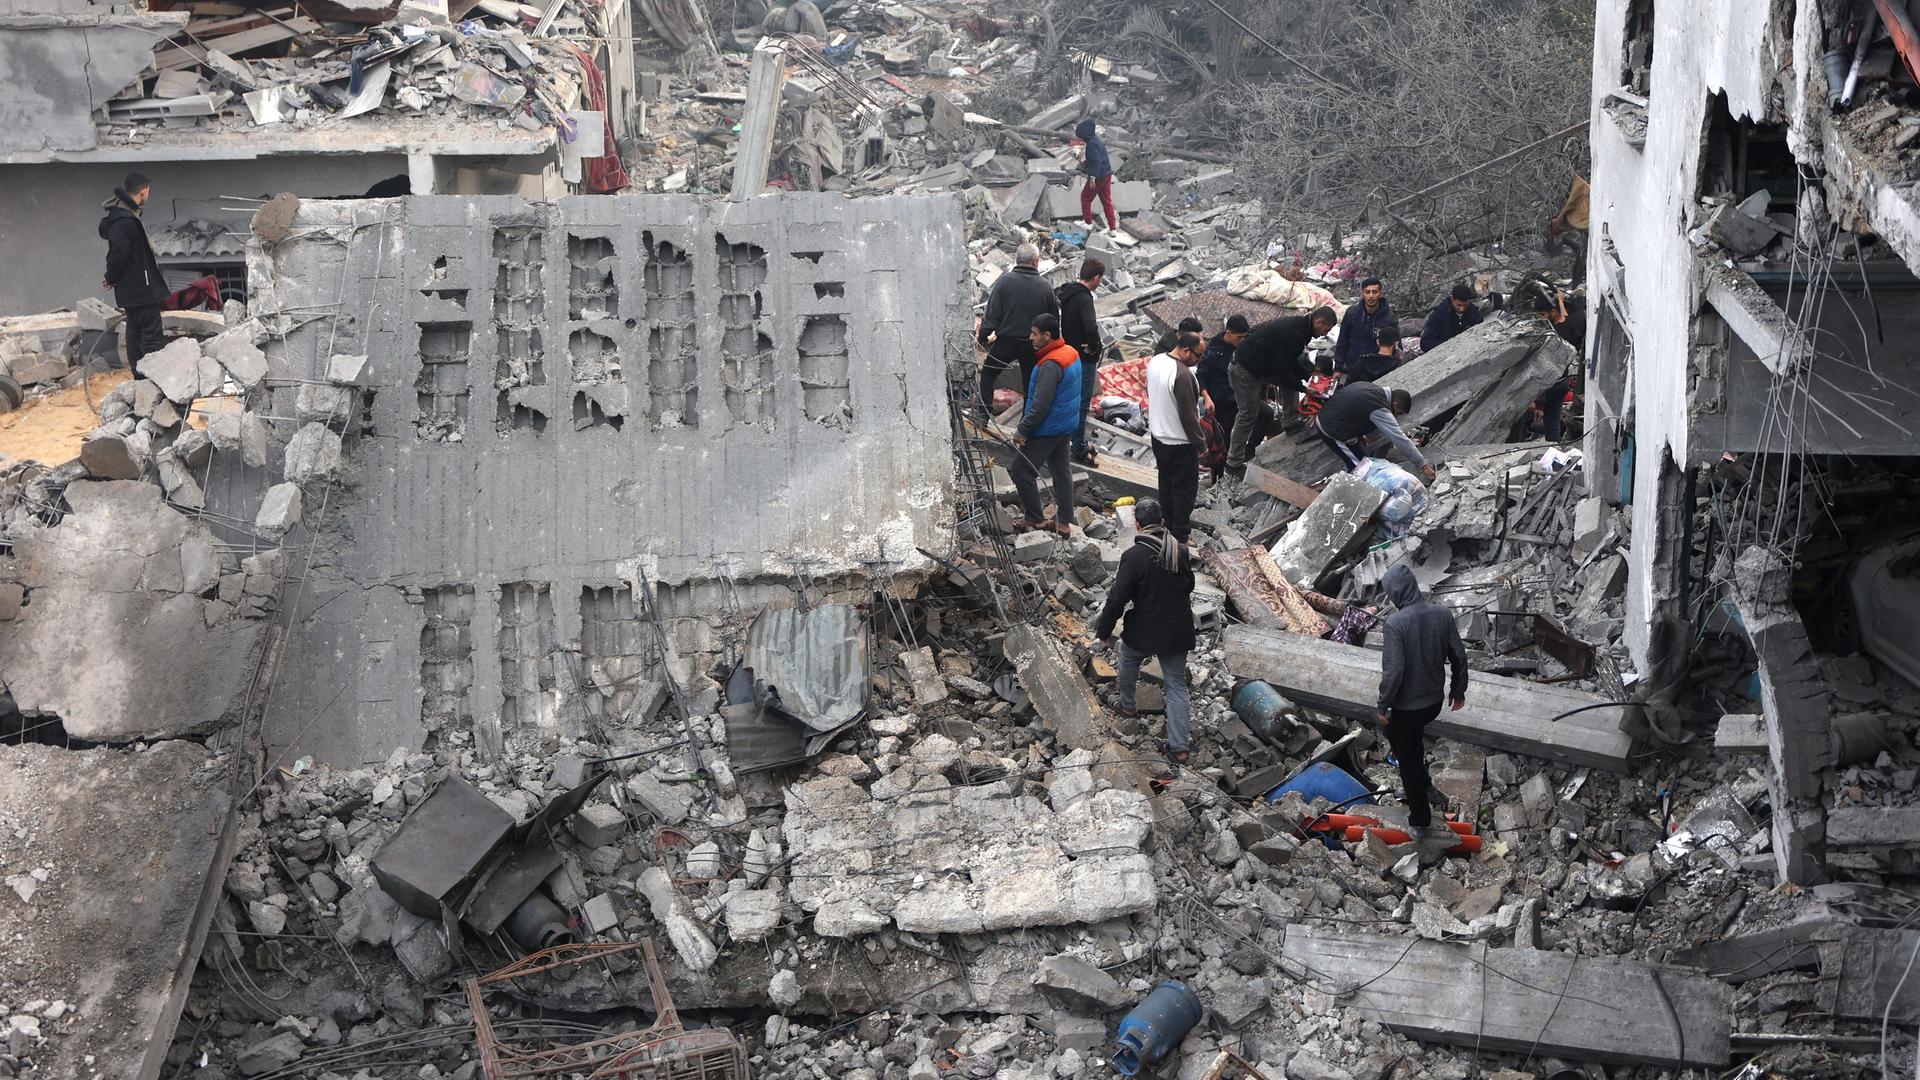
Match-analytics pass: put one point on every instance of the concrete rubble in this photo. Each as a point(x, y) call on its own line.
point(403, 644)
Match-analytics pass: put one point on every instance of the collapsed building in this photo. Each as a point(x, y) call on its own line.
point(587, 636)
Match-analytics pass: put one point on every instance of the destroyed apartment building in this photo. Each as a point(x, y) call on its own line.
point(545, 632)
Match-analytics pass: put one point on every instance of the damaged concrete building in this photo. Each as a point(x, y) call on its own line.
point(1753, 374)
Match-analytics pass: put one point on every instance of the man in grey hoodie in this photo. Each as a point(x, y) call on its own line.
point(1420, 640)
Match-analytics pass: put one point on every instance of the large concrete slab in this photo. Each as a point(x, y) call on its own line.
point(134, 847)
point(117, 639)
point(566, 395)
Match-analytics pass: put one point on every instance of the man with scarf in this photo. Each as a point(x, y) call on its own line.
point(133, 273)
point(1154, 587)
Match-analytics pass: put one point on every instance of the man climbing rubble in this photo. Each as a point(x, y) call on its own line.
point(1275, 352)
point(1018, 296)
point(1080, 328)
point(1098, 166)
point(1154, 587)
point(1046, 428)
point(1359, 409)
point(133, 273)
point(1420, 638)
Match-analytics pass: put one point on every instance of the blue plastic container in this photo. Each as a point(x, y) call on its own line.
point(1257, 703)
point(1155, 1027)
point(1324, 780)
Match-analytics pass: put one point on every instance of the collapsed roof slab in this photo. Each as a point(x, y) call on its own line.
point(567, 397)
point(62, 67)
point(134, 848)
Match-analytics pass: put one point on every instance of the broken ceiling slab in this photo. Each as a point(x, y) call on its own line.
point(60, 68)
point(1334, 528)
point(134, 847)
point(116, 599)
point(1864, 974)
point(1612, 1010)
point(936, 858)
point(1502, 712)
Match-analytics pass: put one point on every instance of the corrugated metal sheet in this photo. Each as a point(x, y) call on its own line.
point(814, 661)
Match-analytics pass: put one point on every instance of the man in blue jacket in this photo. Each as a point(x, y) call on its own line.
point(1213, 370)
point(1099, 169)
point(1421, 642)
point(1360, 327)
point(1046, 428)
point(133, 273)
point(1452, 317)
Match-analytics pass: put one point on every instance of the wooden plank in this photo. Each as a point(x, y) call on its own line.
point(1612, 1010)
point(173, 55)
point(1280, 487)
point(1503, 713)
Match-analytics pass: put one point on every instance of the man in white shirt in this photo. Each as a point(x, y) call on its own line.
point(1173, 419)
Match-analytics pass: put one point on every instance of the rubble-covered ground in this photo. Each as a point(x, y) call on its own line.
point(990, 867)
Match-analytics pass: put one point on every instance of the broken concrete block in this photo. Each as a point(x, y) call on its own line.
point(253, 441)
point(236, 353)
point(326, 404)
point(146, 396)
point(343, 370)
point(312, 454)
point(1741, 733)
point(1032, 547)
point(670, 804)
point(1335, 527)
point(175, 369)
point(272, 1054)
point(752, 914)
point(1589, 525)
point(178, 482)
point(696, 949)
point(96, 314)
point(1538, 798)
point(1307, 1066)
point(262, 573)
point(199, 564)
point(32, 368)
point(1740, 233)
point(274, 220)
point(928, 687)
point(599, 914)
point(114, 457)
point(279, 511)
point(598, 824)
point(705, 862)
point(1077, 983)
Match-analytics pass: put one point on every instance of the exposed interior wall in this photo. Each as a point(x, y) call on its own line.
point(49, 213)
point(59, 68)
point(1641, 201)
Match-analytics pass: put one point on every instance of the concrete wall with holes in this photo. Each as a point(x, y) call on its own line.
point(563, 394)
point(1639, 257)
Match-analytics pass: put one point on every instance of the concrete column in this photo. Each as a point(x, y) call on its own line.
point(757, 120)
point(1795, 703)
point(420, 174)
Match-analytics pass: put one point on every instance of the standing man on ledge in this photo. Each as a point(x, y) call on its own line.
point(133, 273)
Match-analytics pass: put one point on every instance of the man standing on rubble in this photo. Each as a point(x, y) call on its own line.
point(1173, 419)
point(1420, 639)
point(1274, 352)
point(1359, 409)
point(1360, 329)
point(1213, 369)
point(1099, 169)
point(1016, 298)
point(1154, 586)
point(1045, 435)
point(1450, 318)
point(133, 273)
point(1080, 328)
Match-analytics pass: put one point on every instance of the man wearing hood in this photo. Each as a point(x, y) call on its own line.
point(133, 273)
point(1099, 169)
point(1080, 328)
point(1420, 639)
point(1154, 587)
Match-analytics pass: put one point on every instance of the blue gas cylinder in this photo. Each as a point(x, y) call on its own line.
point(1257, 703)
point(1154, 1027)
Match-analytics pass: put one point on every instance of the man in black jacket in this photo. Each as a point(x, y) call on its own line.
point(1450, 318)
point(1018, 295)
point(1420, 639)
point(1360, 409)
point(133, 273)
point(1080, 328)
point(1212, 371)
point(1274, 352)
point(1156, 582)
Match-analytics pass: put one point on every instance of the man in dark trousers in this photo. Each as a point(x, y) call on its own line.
point(133, 273)
point(1173, 419)
point(1213, 369)
point(1360, 328)
point(1045, 435)
point(1154, 586)
point(1451, 317)
point(1018, 296)
point(1080, 328)
point(1099, 169)
point(1359, 409)
point(1420, 639)
point(1273, 352)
